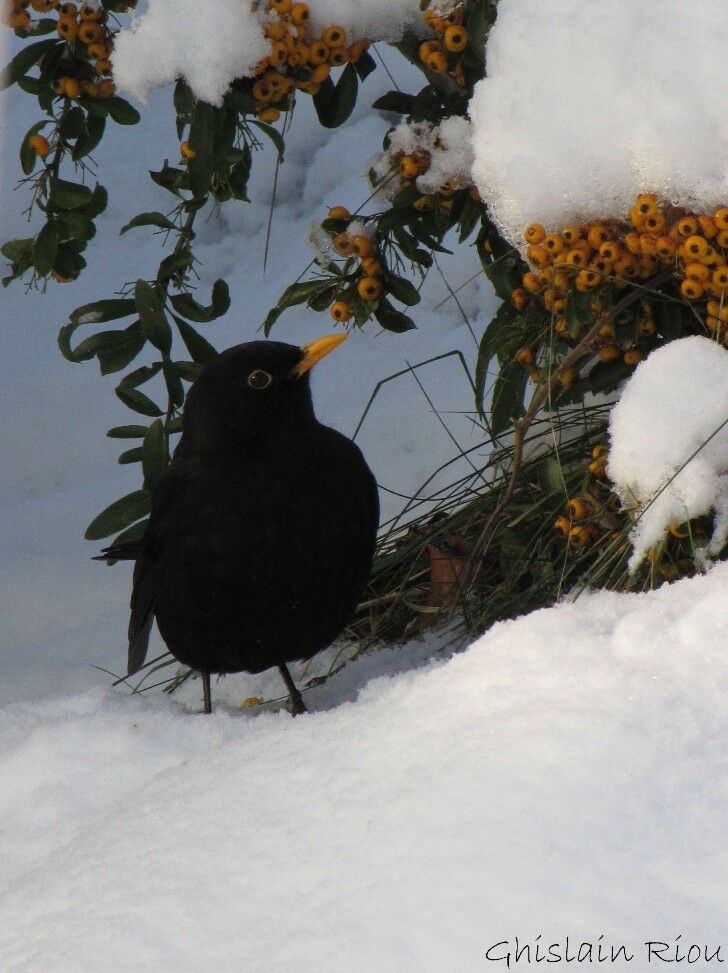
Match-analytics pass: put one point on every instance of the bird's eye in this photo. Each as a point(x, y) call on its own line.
point(259, 379)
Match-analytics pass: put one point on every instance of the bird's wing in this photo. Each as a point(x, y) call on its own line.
point(151, 565)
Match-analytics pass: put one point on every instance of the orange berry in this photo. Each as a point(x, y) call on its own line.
point(105, 89)
point(338, 57)
point(67, 28)
point(340, 311)
point(40, 145)
point(437, 62)
point(185, 151)
point(697, 271)
point(632, 356)
point(696, 247)
point(553, 243)
point(687, 226)
point(563, 526)
point(334, 36)
point(357, 50)
point(269, 115)
point(532, 282)
point(103, 66)
point(320, 73)
point(339, 213)
point(19, 19)
point(609, 353)
point(90, 11)
point(587, 280)
point(371, 267)
point(525, 357)
point(519, 297)
point(534, 233)
point(691, 289)
point(318, 53)
point(408, 167)
point(300, 14)
point(369, 288)
point(719, 279)
point(362, 246)
point(707, 226)
point(721, 218)
point(579, 536)
point(579, 509)
point(90, 32)
point(455, 39)
point(343, 245)
point(428, 47)
point(567, 377)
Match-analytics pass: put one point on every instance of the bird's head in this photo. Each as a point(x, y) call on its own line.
point(254, 388)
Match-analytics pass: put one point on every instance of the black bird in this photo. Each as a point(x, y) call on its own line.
point(262, 528)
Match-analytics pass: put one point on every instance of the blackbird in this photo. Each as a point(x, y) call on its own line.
point(262, 528)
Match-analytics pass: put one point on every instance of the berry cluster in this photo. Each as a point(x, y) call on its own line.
point(297, 61)
point(365, 277)
point(88, 69)
point(612, 252)
point(593, 515)
point(443, 56)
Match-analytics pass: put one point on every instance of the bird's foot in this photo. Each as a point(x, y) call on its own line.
point(296, 705)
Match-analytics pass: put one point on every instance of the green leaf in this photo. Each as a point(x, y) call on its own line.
point(395, 101)
point(168, 177)
point(24, 60)
point(186, 305)
point(508, 393)
point(100, 311)
point(335, 102)
point(97, 204)
point(393, 320)
point(138, 402)
point(140, 375)
point(75, 225)
point(365, 65)
point(202, 140)
point(148, 219)
point(579, 314)
point(490, 344)
point(199, 348)
point(189, 371)
point(273, 134)
point(427, 106)
point(294, 294)
point(68, 195)
point(133, 533)
point(504, 274)
point(121, 111)
point(131, 455)
point(72, 123)
point(175, 264)
point(173, 381)
point(670, 317)
point(114, 349)
point(45, 249)
point(402, 290)
point(119, 514)
point(127, 432)
point(89, 138)
point(152, 316)
point(239, 175)
point(16, 250)
point(551, 476)
point(154, 454)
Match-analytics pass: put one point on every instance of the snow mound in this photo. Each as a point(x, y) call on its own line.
point(587, 104)
point(565, 774)
point(676, 400)
point(211, 44)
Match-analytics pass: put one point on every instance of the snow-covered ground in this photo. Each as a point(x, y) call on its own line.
point(563, 777)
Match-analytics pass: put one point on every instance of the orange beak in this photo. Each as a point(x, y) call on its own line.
point(316, 350)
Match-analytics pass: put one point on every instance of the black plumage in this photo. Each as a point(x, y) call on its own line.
point(263, 526)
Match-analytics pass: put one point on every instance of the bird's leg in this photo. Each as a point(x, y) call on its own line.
point(296, 704)
point(206, 692)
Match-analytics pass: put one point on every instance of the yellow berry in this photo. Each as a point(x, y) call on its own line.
point(340, 311)
point(369, 288)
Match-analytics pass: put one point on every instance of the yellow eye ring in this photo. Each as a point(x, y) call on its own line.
point(258, 379)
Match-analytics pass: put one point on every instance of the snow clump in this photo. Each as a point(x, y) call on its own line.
point(587, 104)
point(445, 149)
point(212, 44)
point(674, 405)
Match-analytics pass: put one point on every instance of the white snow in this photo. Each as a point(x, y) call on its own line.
point(588, 103)
point(210, 44)
point(663, 461)
point(448, 146)
point(564, 775)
